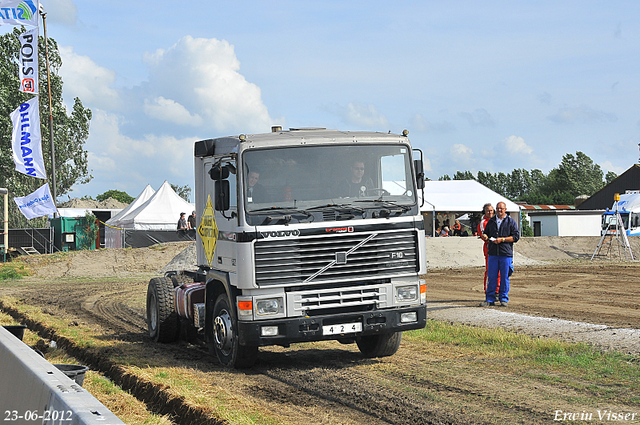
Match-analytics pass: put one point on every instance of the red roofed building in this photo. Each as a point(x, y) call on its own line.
point(562, 220)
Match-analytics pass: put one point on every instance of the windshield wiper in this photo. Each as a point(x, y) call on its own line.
point(388, 204)
point(286, 217)
point(337, 207)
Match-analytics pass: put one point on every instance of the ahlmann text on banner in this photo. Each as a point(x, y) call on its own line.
point(29, 61)
point(26, 140)
point(19, 12)
point(37, 204)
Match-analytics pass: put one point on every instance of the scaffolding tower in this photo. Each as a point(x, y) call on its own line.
point(617, 232)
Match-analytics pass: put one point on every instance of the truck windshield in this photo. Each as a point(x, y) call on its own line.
point(609, 221)
point(315, 176)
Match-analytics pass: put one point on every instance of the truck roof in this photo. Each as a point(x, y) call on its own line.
point(292, 137)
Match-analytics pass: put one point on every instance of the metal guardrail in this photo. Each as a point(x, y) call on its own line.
point(32, 390)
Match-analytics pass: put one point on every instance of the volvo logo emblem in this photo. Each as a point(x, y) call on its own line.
point(341, 258)
point(280, 233)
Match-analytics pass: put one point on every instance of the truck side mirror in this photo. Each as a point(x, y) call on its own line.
point(219, 172)
point(222, 195)
point(417, 164)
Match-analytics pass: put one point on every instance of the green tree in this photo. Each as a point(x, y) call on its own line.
point(183, 191)
point(578, 175)
point(527, 230)
point(444, 178)
point(609, 177)
point(118, 195)
point(71, 130)
point(463, 175)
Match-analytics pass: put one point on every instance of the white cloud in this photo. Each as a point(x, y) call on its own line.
point(426, 163)
point(545, 98)
point(367, 116)
point(462, 155)
point(608, 166)
point(63, 12)
point(169, 110)
point(87, 80)
point(422, 124)
point(516, 145)
point(113, 154)
point(581, 114)
point(479, 118)
point(100, 162)
point(202, 76)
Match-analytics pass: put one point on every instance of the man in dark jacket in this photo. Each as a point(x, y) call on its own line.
point(501, 231)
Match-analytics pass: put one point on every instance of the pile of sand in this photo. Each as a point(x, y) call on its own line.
point(457, 252)
point(109, 204)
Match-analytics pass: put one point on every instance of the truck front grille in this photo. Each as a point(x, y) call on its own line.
point(347, 299)
point(333, 258)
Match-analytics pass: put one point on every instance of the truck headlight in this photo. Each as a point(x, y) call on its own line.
point(268, 306)
point(407, 293)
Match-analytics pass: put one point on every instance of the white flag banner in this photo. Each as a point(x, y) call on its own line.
point(26, 140)
point(38, 204)
point(19, 12)
point(29, 61)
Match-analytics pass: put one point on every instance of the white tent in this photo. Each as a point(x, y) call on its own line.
point(149, 211)
point(160, 212)
point(141, 199)
point(461, 196)
point(456, 197)
point(112, 230)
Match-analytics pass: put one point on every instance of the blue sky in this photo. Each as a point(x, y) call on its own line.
point(481, 86)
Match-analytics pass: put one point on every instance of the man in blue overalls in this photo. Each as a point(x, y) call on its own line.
point(501, 231)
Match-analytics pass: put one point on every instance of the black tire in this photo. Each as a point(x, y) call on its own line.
point(223, 340)
point(179, 279)
point(162, 319)
point(379, 345)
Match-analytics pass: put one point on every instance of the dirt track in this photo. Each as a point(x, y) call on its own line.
point(331, 383)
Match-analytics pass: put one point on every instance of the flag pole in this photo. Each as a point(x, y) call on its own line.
point(53, 150)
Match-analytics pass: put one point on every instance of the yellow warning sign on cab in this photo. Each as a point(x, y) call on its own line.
point(208, 231)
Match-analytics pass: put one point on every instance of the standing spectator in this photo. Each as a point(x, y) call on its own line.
point(487, 211)
point(182, 222)
point(502, 231)
point(191, 221)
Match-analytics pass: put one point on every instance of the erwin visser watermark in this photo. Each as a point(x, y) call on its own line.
point(597, 415)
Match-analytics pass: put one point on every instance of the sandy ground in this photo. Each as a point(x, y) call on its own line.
point(555, 292)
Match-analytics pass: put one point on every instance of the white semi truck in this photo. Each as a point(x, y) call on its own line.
point(629, 209)
point(303, 235)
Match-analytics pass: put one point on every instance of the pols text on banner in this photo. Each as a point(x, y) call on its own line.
point(29, 61)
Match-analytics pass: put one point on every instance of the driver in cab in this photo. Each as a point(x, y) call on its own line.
point(356, 184)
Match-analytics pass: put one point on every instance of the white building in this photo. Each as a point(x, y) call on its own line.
point(553, 220)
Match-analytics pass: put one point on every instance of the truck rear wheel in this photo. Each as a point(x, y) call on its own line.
point(162, 319)
point(223, 340)
point(379, 345)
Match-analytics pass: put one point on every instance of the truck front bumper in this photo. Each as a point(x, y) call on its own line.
point(307, 329)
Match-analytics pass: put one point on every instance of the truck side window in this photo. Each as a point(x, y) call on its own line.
point(394, 172)
point(233, 191)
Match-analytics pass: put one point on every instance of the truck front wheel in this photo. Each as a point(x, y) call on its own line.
point(162, 319)
point(223, 340)
point(379, 345)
